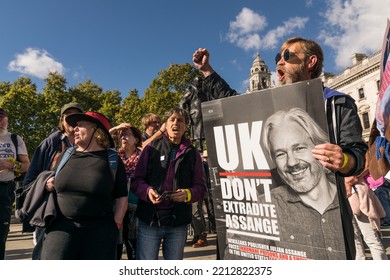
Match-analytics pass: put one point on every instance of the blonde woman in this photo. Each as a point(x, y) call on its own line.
point(86, 227)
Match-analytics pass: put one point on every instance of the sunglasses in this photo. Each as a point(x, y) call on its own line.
point(286, 56)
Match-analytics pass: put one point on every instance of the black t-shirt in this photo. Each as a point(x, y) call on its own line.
point(85, 187)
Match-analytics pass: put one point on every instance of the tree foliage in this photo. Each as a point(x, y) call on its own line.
point(35, 115)
point(168, 88)
point(110, 104)
point(51, 100)
point(131, 110)
point(21, 105)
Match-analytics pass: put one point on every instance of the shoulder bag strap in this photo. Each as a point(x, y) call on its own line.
point(65, 158)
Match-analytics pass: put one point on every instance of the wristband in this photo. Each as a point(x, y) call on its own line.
point(345, 162)
point(161, 132)
point(188, 199)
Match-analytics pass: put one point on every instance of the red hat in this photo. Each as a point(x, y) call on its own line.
point(94, 117)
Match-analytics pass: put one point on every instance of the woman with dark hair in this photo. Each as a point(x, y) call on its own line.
point(167, 180)
point(87, 187)
point(129, 141)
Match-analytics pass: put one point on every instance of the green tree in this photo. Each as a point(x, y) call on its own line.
point(168, 88)
point(4, 88)
point(35, 115)
point(110, 104)
point(160, 102)
point(131, 110)
point(20, 103)
point(54, 96)
point(87, 94)
point(176, 78)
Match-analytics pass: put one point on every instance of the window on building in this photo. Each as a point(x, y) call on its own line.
point(361, 93)
point(366, 120)
point(264, 83)
point(255, 85)
point(378, 85)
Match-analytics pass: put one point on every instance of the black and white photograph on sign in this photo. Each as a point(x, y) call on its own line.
point(272, 198)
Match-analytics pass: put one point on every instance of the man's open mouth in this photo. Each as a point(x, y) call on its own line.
point(280, 74)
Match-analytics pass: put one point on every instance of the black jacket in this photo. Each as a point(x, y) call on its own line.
point(181, 213)
point(345, 130)
point(39, 207)
point(214, 87)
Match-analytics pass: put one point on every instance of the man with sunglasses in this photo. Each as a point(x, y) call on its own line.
point(301, 59)
point(45, 157)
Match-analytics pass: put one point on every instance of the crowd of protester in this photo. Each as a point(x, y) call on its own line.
point(110, 189)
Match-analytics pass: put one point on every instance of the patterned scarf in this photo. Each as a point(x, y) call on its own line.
point(130, 162)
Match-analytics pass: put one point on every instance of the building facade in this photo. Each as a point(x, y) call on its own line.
point(260, 76)
point(362, 82)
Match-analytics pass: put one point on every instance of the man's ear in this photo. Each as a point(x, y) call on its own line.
point(312, 61)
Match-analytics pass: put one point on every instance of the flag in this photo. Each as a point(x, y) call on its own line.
point(379, 140)
point(383, 104)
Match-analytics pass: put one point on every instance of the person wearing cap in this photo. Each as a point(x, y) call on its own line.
point(48, 150)
point(45, 157)
point(91, 195)
point(129, 141)
point(167, 180)
point(9, 166)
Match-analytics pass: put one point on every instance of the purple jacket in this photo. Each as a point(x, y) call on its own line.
point(140, 186)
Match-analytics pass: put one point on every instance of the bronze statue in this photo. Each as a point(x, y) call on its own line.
point(192, 103)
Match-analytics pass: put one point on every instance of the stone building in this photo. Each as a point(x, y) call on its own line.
point(362, 82)
point(260, 76)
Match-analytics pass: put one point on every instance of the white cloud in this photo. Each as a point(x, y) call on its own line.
point(273, 37)
point(354, 26)
point(78, 73)
point(36, 63)
point(308, 3)
point(235, 63)
point(244, 31)
point(248, 22)
point(244, 85)
point(249, 42)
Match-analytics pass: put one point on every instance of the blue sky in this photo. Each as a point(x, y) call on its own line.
point(123, 44)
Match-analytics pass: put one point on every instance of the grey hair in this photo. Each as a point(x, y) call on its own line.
point(317, 134)
point(179, 111)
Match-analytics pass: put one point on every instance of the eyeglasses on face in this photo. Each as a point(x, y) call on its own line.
point(286, 55)
point(125, 134)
